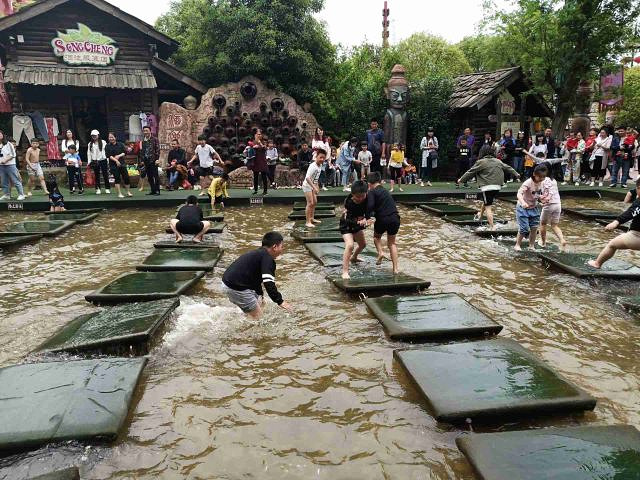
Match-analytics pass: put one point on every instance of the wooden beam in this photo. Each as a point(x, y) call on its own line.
point(172, 92)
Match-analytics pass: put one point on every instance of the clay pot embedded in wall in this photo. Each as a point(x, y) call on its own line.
point(270, 131)
point(218, 128)
point(284, 113)
point(224, 141)
point(277, 104)
point(270, 114)
point(229, 131)
point(213, 141)
point(254, 130)
point(245, 114)
point(263, 107)
point(255, 116)
point(278, 139)
point(248, 90)
point(232, 149)
point(211, 121)
point(305, 125)
point(233, 140)
point(264, 122)
point(223, 153)
point(292, 121)
point(230, 111)
point(286, 148)
point(276, 121)
point(285, 131)
point(242, 131)
point(206, 131)
point(241, 147)
point(247, 123)
point(297, 129)
point(293, 139)
point(224, 121)
point(237, 120)
point(219, 101)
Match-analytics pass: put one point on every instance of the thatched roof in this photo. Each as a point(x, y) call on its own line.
point(478, 89)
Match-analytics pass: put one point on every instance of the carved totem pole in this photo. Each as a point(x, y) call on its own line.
point(395, 118)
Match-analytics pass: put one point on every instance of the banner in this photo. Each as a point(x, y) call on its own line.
point(84, 47)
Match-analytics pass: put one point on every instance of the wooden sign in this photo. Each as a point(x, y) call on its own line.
point(15, 206)
point(84, 47)
point(256, 201)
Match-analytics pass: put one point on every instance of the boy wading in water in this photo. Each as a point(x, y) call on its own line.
point(34, 170)
point(490, 173)
point(527, 214)
point(626, 241)
point(382, 208)
point(310, 186)
point(352, 224)
point(242, 282)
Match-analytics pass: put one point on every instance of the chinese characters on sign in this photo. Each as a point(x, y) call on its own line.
point(84, 47)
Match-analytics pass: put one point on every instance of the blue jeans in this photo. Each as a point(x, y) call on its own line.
point(527, 219)
point(10, 173)
point(346, 174)
point(173, 178)
point(518, 164)
point(620, 164)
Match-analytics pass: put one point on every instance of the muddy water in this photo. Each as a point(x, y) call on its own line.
point(315, 395)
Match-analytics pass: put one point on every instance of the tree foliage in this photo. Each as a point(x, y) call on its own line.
point(629, 115)
point(486, 53)
point(278, 41)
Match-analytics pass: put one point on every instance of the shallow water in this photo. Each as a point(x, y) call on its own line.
point(316, 394)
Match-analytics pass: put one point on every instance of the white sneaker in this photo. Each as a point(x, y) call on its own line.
point(346, 189)
point(119, 196)
point(563, 183)
point(5, 197)
point(600, 184)
point(98, 192)
point(422, 184)
point(107, 191)
point(325, 188)
point(577, 184)
point(29, 194)
point(21, 197)
point(592, 184)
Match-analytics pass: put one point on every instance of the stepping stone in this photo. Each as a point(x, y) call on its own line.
point(185, 244)
point(330, 254)
point(300, 215)
point(631, 303)
point(6, 242)
point(489, 379)
point(574, 453)
point(417, 204)
point(319, 206)
point(448, 209)
point(469, 220)
point(604, 221)
point(120, 326)
point(71, 473)
point(427, 317)
point(317, 236)
point(372, 280)
point(181, 259)
point(511, 243)
point(576, 264)
point(592, 213)
point(498, 232)
point(80, 218)
point(77, 210)
point(145, 286)
point(69, 400)
point(327, 224)
point(512, 201)
point(46, 228)
point(217, 227)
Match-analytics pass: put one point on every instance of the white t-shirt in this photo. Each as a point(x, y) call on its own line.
point(313, 174)
point(8, 154)
point(535, 149)
point(365, 158)
point(65, 145)
point(205, 155)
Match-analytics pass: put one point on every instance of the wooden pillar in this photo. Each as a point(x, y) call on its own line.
point(523, 112)
point(154, 101)
point(498, 118)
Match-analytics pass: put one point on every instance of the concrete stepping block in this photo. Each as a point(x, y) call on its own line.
point(71, 473)
point(145, 286)
point(80, 218)
point(217, 227)
point(631, 303)
point(488, 380)
point(448, 209)
point(122, 325)
point(185, 244)
point(576, 265)
point(317, 236)
point(469, 220)
point(70, 400)
point(576, 453)
point(327, 224)
point(181, 259)
point(417, 204)
point(375, 280)
point(425, 317)
point(511, 243)
point(497, 233)
point(300, 215)
point(605, 221)
point(45, 228)
point(320, 206)
point(592, 213)
point(330, 254)
point(6, 242)
point(77, 210)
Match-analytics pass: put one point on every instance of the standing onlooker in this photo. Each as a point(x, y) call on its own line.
point(74, 171)
point(487, 140)
point(552, 154)
point(576, 151)
point(345, 162)
point(177, 156)
point(97, 159)
point(34, 170)
point(149, 156)
point(259, 166)
point(470, 141)
point(365, 158)
point(272, 162)
point(304, 157)
point(396, 164)
point(115, 153)
point(375, 144)
point(463, 160)
point(333, 172)
point(429, 148)
point(507, 149)
point(537, 154)
point(590, 144)
point(622, 147)
point(522, 144)
point(205, 155)
point(8, 169)
point(600, 157)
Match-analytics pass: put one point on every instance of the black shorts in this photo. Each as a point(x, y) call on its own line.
point(487, 197)
point(120, 173)
point(189, 228)
point(349, 227)
point(388, 225)
point(205, 172)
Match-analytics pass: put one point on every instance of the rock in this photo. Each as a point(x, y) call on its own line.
point(176, 123)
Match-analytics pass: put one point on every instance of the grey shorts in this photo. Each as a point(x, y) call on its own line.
point(550, 214)
point(246, 300)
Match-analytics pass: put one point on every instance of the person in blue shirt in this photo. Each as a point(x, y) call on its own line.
point(345, 162)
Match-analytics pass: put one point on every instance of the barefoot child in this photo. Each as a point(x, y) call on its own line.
point(310, 186)
point(353, 223)
point(551, 209)
point(382, 208)
point(56, 200)
point(626, 241)
point(34, 170)
point(526, 212)
point(189, 221)
point(218, 190)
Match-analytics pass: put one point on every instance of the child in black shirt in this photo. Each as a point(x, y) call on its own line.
point(463, 159)
point(353, 223)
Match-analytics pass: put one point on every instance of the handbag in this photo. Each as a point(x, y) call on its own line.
point(89, 177)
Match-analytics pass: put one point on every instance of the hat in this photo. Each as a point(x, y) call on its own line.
point(95, 132)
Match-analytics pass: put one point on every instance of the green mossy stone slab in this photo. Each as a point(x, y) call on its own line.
point(577, 453)
point(430, 316)
point(6, 242)
point(328, 224)
point(448, 209)
point(592, 213)
point(375, 280)
point(631, 303)
point(330, 254)
point(489, 379)
point(215, 228)
point(77, 210)
point(317, 236)
point(185, 259)
point(511, 243)
point(128, 324)
point(67, 474)
point(300, 215)
point(469, 220)
point(80, 218)
point(70, 400)
point(417, 204)
point(576, 264)
point(185, 244)
point(604, 221)
point(320, 206)
point(45, 228)
point(497, 233)
point(145, 286)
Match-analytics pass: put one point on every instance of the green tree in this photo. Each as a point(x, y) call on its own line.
point(424, 55)
point(486, 53)
point(278, 41)
point(630, 113)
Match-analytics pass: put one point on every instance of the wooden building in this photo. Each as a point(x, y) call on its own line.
point(495, 101)
point(89, 65)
